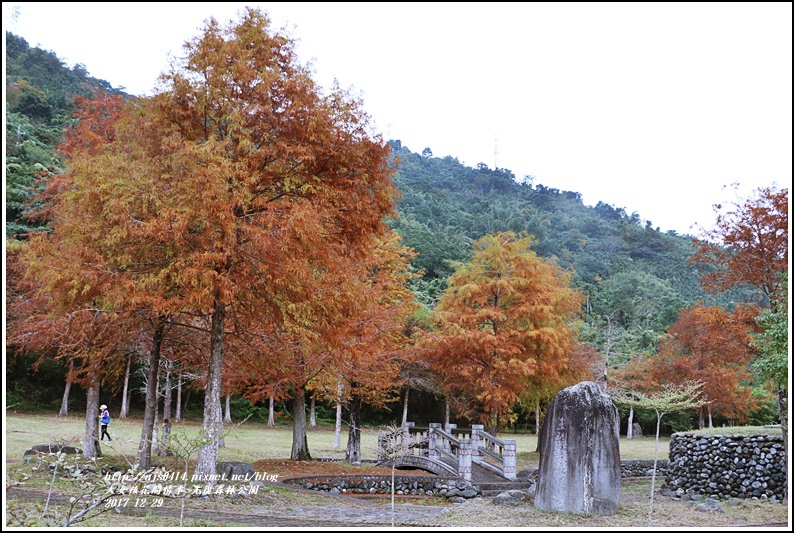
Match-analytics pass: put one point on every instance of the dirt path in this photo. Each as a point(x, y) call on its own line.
point(350, 513)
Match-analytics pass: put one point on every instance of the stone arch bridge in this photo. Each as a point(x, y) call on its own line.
point(472, 454)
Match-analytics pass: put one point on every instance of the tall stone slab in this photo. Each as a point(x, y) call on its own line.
point(579, 453)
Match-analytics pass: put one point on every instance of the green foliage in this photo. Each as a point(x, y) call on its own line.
point(672, 398)
point(766, 413)
point(243, 408)
point(54, 82)
point(31, 387)
point(40, 89)
point(772, 343)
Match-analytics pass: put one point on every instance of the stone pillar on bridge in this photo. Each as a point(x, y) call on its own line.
point(448, 428)
point(464, 459)
point(509, 458)
point(407, 436)
point(476, 442)
point(433, 444)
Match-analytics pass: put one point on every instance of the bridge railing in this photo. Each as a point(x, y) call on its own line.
point(444, 446)
point(493, 453)
point(458, 448)
point(407, 440)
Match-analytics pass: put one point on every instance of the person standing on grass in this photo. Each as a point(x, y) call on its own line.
point(105, 420)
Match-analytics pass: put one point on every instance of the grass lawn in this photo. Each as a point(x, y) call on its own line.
point(269, 449)
point(250, 441)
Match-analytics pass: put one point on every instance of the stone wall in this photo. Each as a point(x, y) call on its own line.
point(727, 466)
point(404, 485)
point(642, 468)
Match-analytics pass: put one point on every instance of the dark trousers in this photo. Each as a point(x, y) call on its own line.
point(104, 432)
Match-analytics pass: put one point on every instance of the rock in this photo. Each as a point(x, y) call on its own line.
point(50, 448)
point(456, 499)
point(710, 505)
point(510, 497)
point(236, 471)
point(579, 469)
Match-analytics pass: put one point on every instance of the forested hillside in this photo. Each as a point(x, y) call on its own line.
point(631, 272)
point(39, 93)
point(635, 279)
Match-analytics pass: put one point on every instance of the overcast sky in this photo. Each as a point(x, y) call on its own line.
point(653, 107)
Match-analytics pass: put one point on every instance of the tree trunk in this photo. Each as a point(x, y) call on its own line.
point(156, 425)
point(353, 451)
point(405, 407)
point(701, 419)
point(493, 427)
point(659, 416)
point(166, 432)
point(446, 411)
point(271, 418)
point(178, 411)
point(207, 460)
point(630, 429)
point(537, 418)
point(300, 445)
point(125, 397)
point(144, 458)
point(711, 421)
point(312, 418)
point(91, 449)
point(168, 392)
point(65, 402)
point(227, 417)
point(338, 427)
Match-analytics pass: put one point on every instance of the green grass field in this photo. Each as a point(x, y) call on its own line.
point(250, 441)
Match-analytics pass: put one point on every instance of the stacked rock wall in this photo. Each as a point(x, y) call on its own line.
point(642, 468)
point(404, 485)
point(727, 466)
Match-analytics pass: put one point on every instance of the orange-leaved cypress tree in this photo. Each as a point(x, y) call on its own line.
point(283, 178)
point(224, 192)
point(748, 245)
point(505, 320)
point(711, 345)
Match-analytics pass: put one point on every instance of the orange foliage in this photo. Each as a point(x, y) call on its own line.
point(504, 325)
point(711, 345)
point(228, 201)
point(749, 245)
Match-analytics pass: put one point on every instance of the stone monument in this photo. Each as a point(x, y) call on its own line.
point(579, 453)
